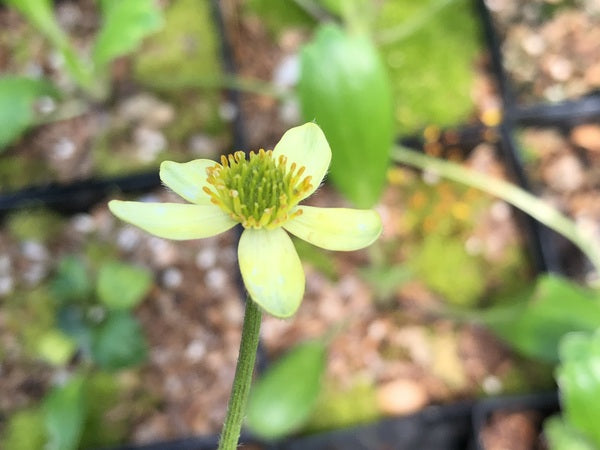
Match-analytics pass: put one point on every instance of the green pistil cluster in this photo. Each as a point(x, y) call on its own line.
point(258, 192)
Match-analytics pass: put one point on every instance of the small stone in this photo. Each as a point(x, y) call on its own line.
point(402, 396)
point(587, 136)
point(195, 350)
point(172, 278)
point(149, 143)
point(560, 68)
point(227, 111)
point(164, 253)
point(5, 264)
point(6, 285)
point(203, 146)
point(63, 149)
point(216, 279)
point(34, 251)
point(34, 273)
point(83, 223)
point(147, 110)
point(492, 385)
point(500, 211)
point(564, 174)
point(206, 258)
point(128, 238)
point(287, 72)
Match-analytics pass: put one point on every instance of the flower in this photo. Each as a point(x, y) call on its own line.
point(261, 192)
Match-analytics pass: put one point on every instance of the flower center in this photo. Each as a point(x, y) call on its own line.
point(258, 192)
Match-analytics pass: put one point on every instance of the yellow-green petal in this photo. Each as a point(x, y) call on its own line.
point(173, 220)
point(187, 179)
point(271, 270)
point(307, 146)
point(336, 228)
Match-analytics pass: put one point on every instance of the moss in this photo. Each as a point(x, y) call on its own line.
point(527, 376)
point(25, 430)
point(338, 407)
point(104, 426)
point(30, 316)
point(18, 171)
point(185, 52)
point(34, 224)
point(446, 267)
point(432, 68)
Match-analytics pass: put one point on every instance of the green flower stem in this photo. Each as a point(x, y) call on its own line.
point(243, 377)
point(536, 208)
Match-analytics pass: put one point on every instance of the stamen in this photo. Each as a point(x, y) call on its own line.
point(259, 191)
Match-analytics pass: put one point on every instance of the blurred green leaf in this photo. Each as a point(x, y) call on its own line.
point(119, 342)
point(106, 423)
point(561, 436)
point(64, 413)
point(535, 324)
point(283, 398)
point(578, 379)
point(41, 14)
point(18, 96)
point(71, 282)
point(24, 431)
point(122, 286)
point(56, 347)
point(345, 89)
point(124, 25)
point(72, 321)
point(430, 48)
point(386, 279)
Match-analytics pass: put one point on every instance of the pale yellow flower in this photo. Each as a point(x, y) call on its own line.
point(262, 193)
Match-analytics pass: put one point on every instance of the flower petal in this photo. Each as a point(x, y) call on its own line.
point(187, 179)
point(271, 270)
point(173, 220)
point(307, 146)
point(336, 228)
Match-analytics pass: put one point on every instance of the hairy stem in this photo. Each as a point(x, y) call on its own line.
point(243, 377)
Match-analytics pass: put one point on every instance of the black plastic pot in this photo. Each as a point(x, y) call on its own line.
point(545, 404)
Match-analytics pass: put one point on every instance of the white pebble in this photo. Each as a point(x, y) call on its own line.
point(172, 278)
point(216, 278)
point(206, 258)
point(34, 251)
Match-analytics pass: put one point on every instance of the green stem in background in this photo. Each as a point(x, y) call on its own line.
point(508, 192)
point(243, 377)
point(411, 26)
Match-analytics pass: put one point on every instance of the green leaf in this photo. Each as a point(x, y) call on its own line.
point(283, 398)
point(578, 379)
point(71, 319)
point(122, 286)
point(18, 96)
point(535, 325)
point(345, 89)
point(64, 413)
point(71, 282)
point(24, 431)
point(119, 342)
point(56, 347)
point(561, 436)
point(40, 13)
point(124, 25)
